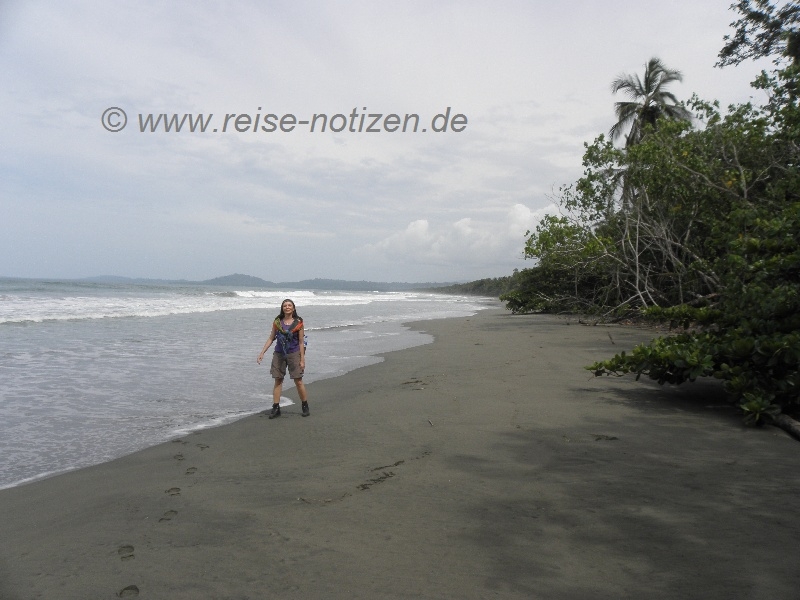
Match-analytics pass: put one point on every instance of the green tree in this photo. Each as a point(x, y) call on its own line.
point(567, 276)
point(747, 333)
point(649, 101)
point(710, 240)
point(763, 30)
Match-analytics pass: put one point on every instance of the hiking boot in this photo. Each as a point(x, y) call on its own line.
point(306, 412)
point(275, 412)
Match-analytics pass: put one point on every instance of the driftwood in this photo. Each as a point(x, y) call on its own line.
point(788, 424)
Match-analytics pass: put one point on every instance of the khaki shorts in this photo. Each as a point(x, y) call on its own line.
point(280, 362)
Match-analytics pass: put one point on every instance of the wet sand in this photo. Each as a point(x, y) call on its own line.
point(488, 464)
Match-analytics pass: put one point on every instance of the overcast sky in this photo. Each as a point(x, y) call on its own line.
point(532, 80)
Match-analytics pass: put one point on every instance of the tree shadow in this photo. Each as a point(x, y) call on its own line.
point(677, 500)
point(701, 397)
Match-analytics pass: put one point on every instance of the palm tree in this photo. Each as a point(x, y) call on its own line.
point(649, 101)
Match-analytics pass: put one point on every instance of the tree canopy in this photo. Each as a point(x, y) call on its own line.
point(763, 30)
point(697, 224)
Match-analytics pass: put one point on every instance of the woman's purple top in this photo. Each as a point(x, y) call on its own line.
point(286, 342)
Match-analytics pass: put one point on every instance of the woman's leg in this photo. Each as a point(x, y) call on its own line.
point(301, 391)
point(276, 398)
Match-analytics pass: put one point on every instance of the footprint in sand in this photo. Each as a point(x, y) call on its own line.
point(201, 446)
point(125, 552)
point(168, 515)
point(191, 470)
point(178, 457)
point(128, 592)
point(179, 442)
point(176, 491)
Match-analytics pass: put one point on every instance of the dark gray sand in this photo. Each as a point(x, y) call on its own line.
point(488, 464)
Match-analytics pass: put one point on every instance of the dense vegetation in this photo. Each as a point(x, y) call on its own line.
point(491, 286)
point(695, 221)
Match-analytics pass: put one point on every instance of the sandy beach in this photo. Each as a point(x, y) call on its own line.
point(488, 464)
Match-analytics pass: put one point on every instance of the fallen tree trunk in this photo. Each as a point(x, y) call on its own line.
point(788, 424)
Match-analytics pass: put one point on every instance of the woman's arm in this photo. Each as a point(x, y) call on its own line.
point(301, 335)
point(268, 343)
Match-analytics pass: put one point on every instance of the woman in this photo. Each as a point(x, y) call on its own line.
point(287, 329)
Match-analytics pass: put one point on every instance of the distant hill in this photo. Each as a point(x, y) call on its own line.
point(238, 279)
point(493, 286)
point(118, 279)
point(249, 281)
point(357, 286)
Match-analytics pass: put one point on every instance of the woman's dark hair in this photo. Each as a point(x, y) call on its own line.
point(294, 310)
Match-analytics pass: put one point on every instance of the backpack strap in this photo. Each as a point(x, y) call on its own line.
point(295, 326)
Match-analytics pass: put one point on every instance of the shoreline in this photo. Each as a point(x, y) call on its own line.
point(485, 464)
point(128, 425)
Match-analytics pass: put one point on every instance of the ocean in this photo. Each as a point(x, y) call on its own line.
point(90, 372)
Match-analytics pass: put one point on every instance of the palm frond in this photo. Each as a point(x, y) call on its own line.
point(649, 100)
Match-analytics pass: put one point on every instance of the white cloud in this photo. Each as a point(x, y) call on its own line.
point(533, 79)
point(482, 242)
